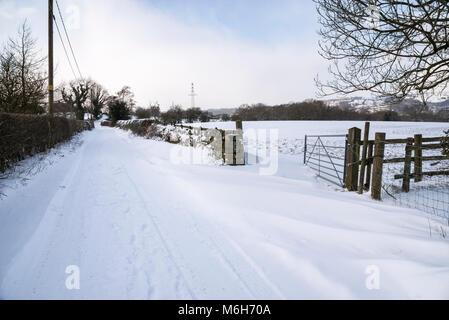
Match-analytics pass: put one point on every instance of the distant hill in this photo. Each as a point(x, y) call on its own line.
point(382, 104)
point(217, 112)
point(363, 104)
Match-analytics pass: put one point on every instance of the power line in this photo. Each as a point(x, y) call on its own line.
point(68, 39)
point(63, 45)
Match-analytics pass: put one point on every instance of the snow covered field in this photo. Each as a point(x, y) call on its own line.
point(432, 194)
point(291, 133)
point(140, 225)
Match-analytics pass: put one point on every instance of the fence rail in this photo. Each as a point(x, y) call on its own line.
point(415, 145)
point(370, 162)
point(363, 164)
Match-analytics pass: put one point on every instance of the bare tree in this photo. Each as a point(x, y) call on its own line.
point(142, 113)
point(99, 97)
point(173, 116)
point(121, 105)
point(126, 95)
point(155, 110)
point(22, 74)
point(392, 48)
point(193, 114)
point(9, 83)
point(76, 93)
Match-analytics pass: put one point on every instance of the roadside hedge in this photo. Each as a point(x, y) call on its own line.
point(25, 135)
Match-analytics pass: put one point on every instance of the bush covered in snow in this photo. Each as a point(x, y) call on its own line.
point(149, 129)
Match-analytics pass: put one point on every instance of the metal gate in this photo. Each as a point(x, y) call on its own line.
point(326, 154)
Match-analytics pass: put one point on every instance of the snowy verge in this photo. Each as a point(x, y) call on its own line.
point(23, 171)
point(204, 144)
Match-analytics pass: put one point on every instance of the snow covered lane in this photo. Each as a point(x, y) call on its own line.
point(140, 227)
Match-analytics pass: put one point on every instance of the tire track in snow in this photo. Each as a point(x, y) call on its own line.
point(250, 262)
point(256, 268)
point(160, 235)
point(42, 249)
point(242, 253)
point(212, 243)
point(237, 248)
point(227, 262)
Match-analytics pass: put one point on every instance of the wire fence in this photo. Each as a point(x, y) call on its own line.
point(430, 193)
point(430, 199)
point(413, 171)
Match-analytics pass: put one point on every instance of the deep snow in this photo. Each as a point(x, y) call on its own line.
point(431, 194)
point(140, 226)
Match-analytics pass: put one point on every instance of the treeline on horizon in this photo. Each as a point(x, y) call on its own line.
point(319, 110)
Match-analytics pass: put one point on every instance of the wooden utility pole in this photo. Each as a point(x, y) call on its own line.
point(50, 57)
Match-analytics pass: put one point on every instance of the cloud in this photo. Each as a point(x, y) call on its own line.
point(14, 13)
point(10, 10)
point(159, 55)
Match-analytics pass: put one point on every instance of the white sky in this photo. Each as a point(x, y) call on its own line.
point(265, 55)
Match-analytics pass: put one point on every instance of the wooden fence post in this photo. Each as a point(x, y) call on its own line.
point(239, 125)
point(418, 157)
point(363, 163)
point(190, 138)
point(305, 149)
point(407, 166)
point(369, 165)
point(378, 163)
point(234, 150)
point(223, 145)
point(352, 159)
